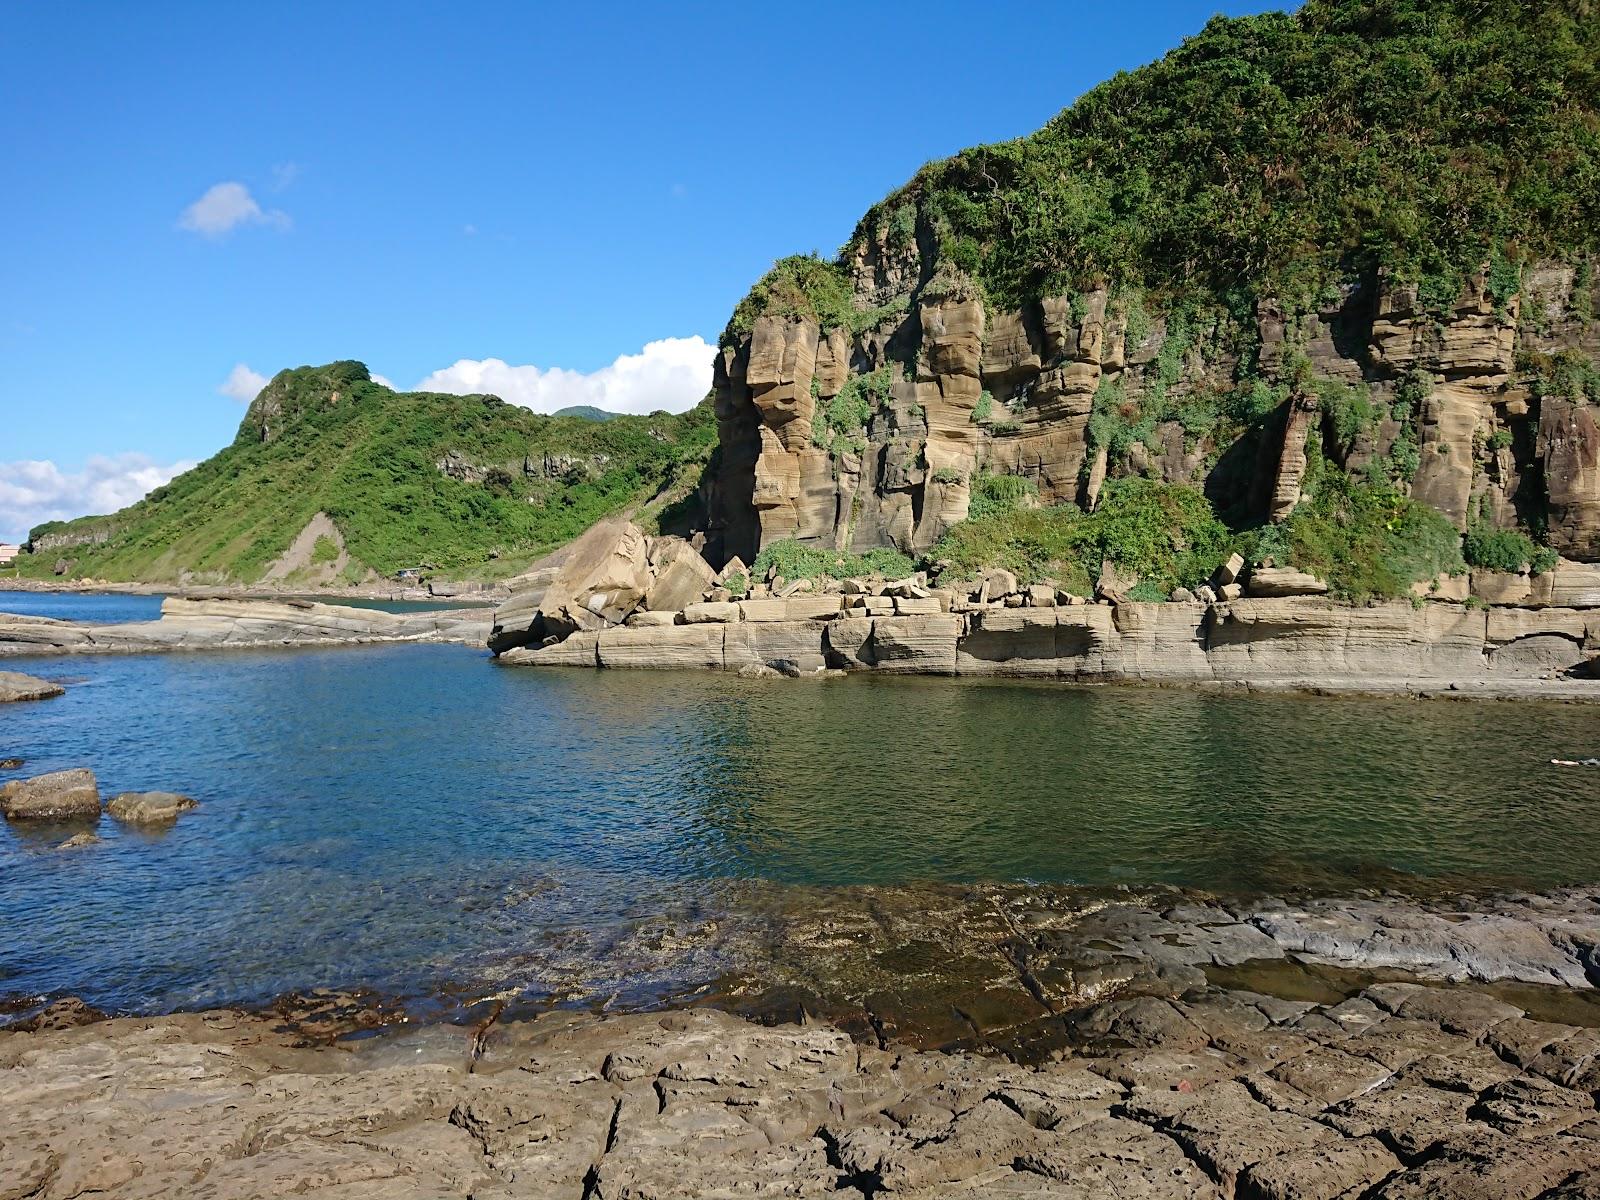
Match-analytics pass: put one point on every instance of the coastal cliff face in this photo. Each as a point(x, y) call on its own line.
point(1261, 260)
point(1455, 407)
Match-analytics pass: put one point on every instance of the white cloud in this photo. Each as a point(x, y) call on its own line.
point(385, 380)
point(35, 491)
point(673, 373)
point(226, 206)
point(242, 383)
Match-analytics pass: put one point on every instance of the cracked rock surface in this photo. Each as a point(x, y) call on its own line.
point(1399, 1091)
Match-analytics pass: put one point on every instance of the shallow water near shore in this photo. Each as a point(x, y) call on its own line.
point(408, 817)
point(115, 608)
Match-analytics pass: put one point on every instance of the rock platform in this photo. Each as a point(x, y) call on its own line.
point(1188, 1078)
point(218, 623)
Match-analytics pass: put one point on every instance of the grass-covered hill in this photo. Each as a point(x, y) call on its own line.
point(468, 485)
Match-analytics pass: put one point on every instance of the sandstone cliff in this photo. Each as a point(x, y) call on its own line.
point(1457, 410)
point(1194, 275)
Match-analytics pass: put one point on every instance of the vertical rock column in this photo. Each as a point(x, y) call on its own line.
point(793, 490)
point(1569, 442)
point(952, 348)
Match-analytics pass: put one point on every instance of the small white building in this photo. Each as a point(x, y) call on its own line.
point(8, 552)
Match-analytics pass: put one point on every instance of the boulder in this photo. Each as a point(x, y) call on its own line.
point(1230, 591)
point(600, 579)
point(1182, 595)
point(681, 576)
point(10, 764)
point(996, 583)
point(1284, 581)
point(149, 808)
point(1230, 570)
point(1113, 586)
point(58, 796)
point(675, 646)
point(922, 644)
point(16, 686)
point(799, 608)
point(768, 642)
point(79, 840)
point(908, 589)
point(578, 650)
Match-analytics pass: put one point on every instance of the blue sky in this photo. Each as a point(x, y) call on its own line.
point(417, 185)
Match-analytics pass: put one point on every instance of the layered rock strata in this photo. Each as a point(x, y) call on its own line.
point(957, 387)
point(1250, 640)
point(207, 624)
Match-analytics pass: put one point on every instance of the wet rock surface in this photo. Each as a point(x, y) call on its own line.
point(1401, 1090)
point(982, 1041)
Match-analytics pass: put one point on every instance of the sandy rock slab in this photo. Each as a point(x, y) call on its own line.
point(16, 686)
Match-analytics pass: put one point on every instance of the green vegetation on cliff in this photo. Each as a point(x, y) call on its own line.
point(1166, 534)
point(1294, 225)
point(1270, 153)
point(408, 478)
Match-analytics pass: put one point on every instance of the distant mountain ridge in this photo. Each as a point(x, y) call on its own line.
point(333, 478)
point(587, 411)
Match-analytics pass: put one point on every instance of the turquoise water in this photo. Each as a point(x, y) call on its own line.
point(92, 607)
point(98, 608)
point(403, 816)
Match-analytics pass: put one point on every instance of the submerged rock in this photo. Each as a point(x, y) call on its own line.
point(79, 840)
point(58, 796)
point(149, 808)
point(16, 686)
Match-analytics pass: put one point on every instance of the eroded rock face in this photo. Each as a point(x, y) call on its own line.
point(1570, 442)
point(1289, 636)
point(974, 389)
point(58, 796)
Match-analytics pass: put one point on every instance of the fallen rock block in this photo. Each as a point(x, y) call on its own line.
point(718, 612)
point(1284, 581)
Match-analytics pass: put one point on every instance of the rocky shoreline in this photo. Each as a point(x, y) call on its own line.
point(1311, 1080)
point(618, 598)
point(210, 623)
